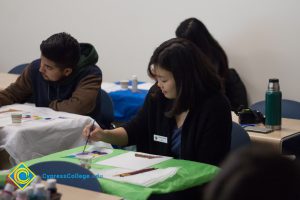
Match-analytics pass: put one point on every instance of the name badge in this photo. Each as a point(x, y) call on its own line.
point(159, 138)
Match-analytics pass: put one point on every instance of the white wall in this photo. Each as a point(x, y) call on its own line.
point(259, 36)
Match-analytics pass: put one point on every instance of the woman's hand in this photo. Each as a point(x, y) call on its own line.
point(95, 134)
point(116, 136)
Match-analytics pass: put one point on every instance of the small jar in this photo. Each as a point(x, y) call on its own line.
point(134, 84)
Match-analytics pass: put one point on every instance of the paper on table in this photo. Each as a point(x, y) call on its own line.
point(145, 179)
point(145, 86)
point(112, 87)
point(9, 111)
point(130, 161)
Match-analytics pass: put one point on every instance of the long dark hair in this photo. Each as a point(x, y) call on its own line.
point(194, 76)
point(195, 31)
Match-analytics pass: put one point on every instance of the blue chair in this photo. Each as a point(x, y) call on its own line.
point(18, 69)
point(289, 108)
point(63, 168)
point(104, 111)
point(239, 137)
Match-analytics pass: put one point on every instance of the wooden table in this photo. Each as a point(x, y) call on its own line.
point(290, 129)
point(69, 192)
point(6, 79)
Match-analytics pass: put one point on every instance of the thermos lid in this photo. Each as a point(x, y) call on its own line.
point(273, 84)
point(273, 80)
point(51, 183)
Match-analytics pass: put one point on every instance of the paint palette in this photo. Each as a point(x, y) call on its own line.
point(95, 152)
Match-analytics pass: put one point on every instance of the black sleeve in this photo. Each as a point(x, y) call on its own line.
point(139, 124)
point(217, 133)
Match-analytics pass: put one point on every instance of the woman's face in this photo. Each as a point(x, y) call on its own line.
point(165, 82)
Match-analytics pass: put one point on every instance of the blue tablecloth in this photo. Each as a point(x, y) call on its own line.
point(127, 103)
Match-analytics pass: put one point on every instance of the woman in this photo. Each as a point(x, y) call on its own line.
point(195, 31)
point(185, 115)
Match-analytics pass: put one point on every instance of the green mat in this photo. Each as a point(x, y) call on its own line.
point(190, 174)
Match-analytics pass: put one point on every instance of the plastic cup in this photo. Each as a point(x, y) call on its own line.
point(85, 160)
point(124, 84)
point(16, 118)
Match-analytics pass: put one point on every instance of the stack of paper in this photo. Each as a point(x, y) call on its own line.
point(136, 168)
point(145, 179)
point(134, 160)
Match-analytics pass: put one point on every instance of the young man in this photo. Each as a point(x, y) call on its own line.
point(65, 78)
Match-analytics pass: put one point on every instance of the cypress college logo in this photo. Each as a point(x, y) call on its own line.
point(22, 176)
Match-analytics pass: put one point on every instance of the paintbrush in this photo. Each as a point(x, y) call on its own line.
point(87, 139)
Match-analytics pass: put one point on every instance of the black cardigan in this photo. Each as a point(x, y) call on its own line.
point(206, 132)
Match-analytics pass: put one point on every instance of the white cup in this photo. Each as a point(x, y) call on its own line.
point(16, 118)
point(124, 84)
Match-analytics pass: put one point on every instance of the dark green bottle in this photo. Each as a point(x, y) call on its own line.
point(273, 105)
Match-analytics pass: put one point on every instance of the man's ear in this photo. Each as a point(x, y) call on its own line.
point(67, 71)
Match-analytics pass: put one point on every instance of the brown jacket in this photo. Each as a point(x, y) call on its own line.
point(82, 99)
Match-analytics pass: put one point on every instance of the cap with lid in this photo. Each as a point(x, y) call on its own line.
point(22, 194)
point(39, 187)
point(273, 80)
point(51, 183)
point(9, 187)
point(273, 84)
point(29, 190)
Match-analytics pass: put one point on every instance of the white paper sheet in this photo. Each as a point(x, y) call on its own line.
point(145, 179)
point(129, 160)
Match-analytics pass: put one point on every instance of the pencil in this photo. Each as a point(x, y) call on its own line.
point(87, 139)
point(136, 172)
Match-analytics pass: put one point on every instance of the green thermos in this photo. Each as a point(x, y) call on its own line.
point(273, 105)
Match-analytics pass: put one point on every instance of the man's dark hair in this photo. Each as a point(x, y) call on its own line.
point(62, 49)
point(192, 71)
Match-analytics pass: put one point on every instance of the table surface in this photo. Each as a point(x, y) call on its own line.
point(126, 103)
point(6, 79)
point(69, 192)
point(190, 174)
point(290, 128)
